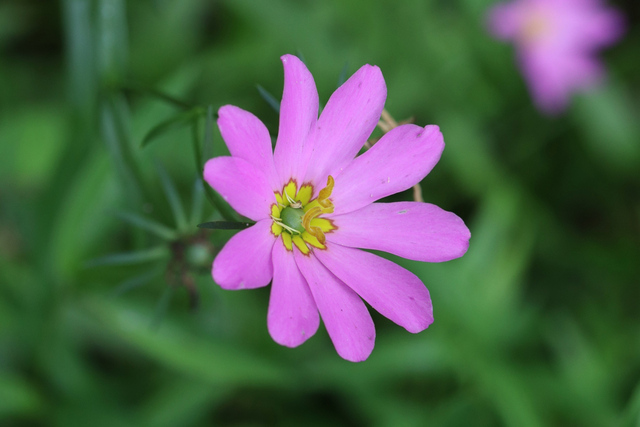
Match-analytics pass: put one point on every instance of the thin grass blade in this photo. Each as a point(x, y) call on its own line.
point(180, 120)
point(225, 225)
point(128, 258)
point(173, 198)
point(270, 99)
point(150, 225)
point(162, 307)
point(135, 282)
point(343, 74)
point(197, 204)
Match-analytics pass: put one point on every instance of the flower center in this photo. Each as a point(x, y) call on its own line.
point(536, 27)
point(292, 218)
point(297, 218)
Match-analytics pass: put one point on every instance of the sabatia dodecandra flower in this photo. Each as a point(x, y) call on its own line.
point(313, 203)
point(557, 42)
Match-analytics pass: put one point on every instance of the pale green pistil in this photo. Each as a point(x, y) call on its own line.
point(292, 218)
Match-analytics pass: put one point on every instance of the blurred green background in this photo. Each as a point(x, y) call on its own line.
point(100, 260)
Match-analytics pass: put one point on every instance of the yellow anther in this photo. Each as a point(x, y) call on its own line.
point(323, 197)
point(295, 216)
point(313, 230)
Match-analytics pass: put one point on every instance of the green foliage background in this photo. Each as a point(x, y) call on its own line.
point(538, 325)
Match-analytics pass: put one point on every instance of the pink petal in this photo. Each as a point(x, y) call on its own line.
point(245, 261)
point(346, 122)
point(242, 185)
point(298, 115)
point(393, 291)
point(413, 230)
point(248, 138)
point(399, 160)
point(505, 20)
point(293, 315)
point(345, 316)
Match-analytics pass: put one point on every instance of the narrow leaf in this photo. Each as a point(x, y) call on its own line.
point(152, 226)
point(207, 143)
point(180, 120)
point(116, 133)
point(343, 74)
point(162, 307)
point(225, 225)
point(126, 258)
point(135, 282)
point(197, 202)
point(214, 198)
point(271, 100)
point(172, 196)
point(132, 87)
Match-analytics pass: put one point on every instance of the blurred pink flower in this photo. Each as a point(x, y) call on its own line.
point(557, 41)
point(312, 200)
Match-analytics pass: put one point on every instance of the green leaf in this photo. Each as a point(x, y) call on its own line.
point(207, 142)
point(162, 306)
point(180, 120)
point(183, 349)
point(225, 225)
point(173, 198)
point(116, 132)
point(152, 226)
point(197, 202)
point(142, 90)
point(135, 282)
point(214, 198)
point(271, 100)
point(126, 258)
point(18, 396)
point(343, 74)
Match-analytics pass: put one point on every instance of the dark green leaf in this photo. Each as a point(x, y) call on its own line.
point(162, 306)
point(180, 120)
point(271, 100)
point(156, 228)
point(173, 198)
point(126, 258)
point(135, 282)
point(343, 74)
point(225, 225)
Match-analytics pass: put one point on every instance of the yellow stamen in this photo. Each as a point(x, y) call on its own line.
point(308, 229)
point(323, 197)
point(289, 192)
point(306, 223)
point(325, 206)
point(312, 240)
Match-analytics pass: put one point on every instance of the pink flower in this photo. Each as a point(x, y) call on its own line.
point(557, 41)
point(313, 203)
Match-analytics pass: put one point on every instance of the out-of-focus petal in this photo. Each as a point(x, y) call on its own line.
point(298, 116)
point(345, 316)
point(248, 138)
point(245, 261)
point(293, 316)
point(418, 231)
point(393, 291)
point(346, 122)
point(505, 20)
point(399, 160)
point(242, 185)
